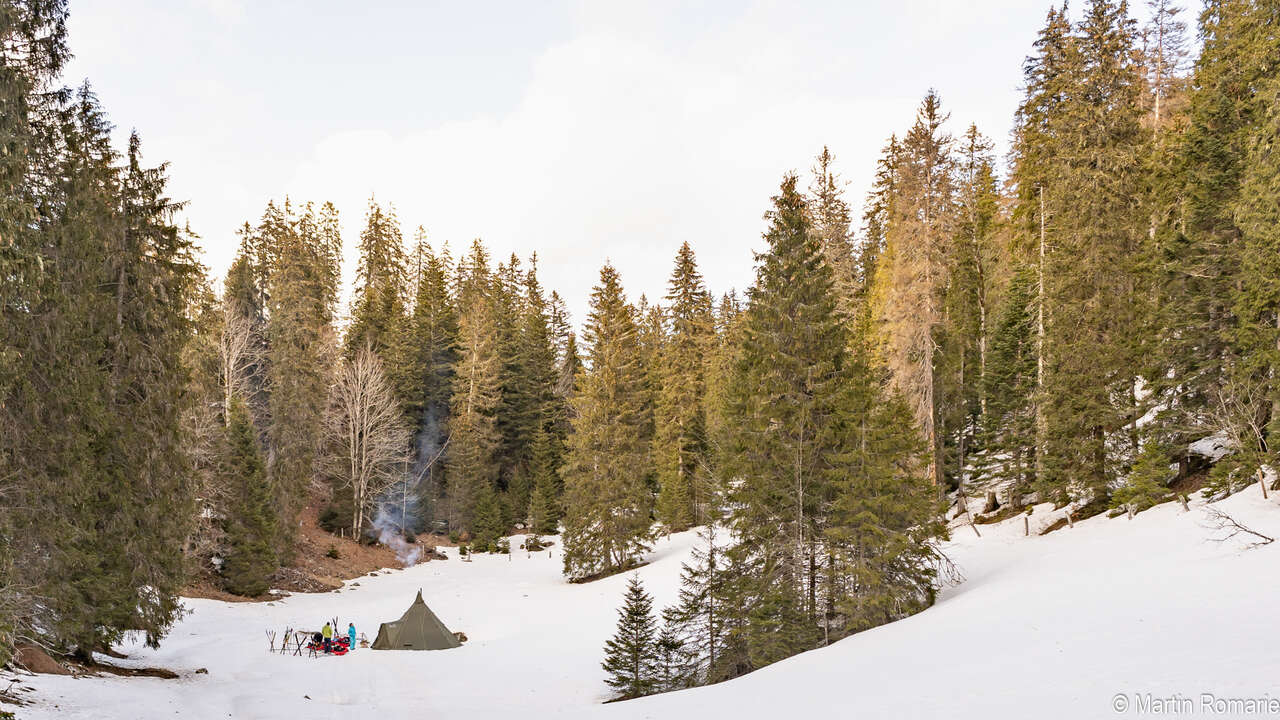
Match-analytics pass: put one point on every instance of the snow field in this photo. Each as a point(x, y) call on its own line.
point(1051, 627)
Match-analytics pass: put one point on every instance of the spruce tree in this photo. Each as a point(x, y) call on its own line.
point(251, 526)
point(518, 409)
point(92, 425)
point(1037, 175)
point(882, 557)
point(155, 277)
point(1008, 432)
point(544, 503)
point(607, 499)
point(302, 287)
point(1204, 243)
point(1147, 483)
point(673, 669)
point(422, 368)
point(631, 655)
point(875, 219)
point(973, 262)
point(568, 361)
point(779, 443)
point(474, 439)
point(727, 329)
point(488, 524)
point(651, 332)
point(1095, 301)
point(832, 220)
point(378, 311)
point(680, 411)
point(1257, 292)
point(700, 618)
point(543, 449)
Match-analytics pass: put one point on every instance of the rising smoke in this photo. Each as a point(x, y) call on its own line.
point(401, 508)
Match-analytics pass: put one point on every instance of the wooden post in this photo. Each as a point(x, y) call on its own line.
point(1183, 499)
point(1262, 483)
point(1026, 526)
point(964, 505)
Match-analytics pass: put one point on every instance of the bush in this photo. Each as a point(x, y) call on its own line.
point(410, 538)
point(502, 545)
point(453, 536)
point(463, 550)
point(533, 543)
point(333, 553)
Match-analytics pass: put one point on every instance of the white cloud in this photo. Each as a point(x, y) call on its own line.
point(620, 149)
point(633, 126)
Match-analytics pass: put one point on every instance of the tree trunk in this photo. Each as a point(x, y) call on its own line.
point(1042, 429)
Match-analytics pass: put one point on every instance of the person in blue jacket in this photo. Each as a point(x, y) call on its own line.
point(351, 636)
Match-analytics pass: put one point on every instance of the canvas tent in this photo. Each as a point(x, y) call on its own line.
point(417, 629)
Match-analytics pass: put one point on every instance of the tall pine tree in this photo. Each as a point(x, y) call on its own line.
point(680, 412)
point(607, 499)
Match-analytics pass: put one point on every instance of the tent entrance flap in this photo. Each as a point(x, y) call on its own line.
point(417, 629)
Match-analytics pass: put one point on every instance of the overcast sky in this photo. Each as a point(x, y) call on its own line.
point(585, 131)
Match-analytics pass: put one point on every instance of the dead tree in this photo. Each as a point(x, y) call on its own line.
point(367, 434)
point(1228, 528)
point(239, 355)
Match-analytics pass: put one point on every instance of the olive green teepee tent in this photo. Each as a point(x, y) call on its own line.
point(417, 629)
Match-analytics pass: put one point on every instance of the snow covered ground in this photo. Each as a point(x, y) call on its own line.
point(1109, 614)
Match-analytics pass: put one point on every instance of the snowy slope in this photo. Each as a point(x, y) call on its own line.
point(1054, 626)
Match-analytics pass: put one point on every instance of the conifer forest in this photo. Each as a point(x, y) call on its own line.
point(996, 330)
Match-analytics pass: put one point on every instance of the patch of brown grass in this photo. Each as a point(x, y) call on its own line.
point(312, 569)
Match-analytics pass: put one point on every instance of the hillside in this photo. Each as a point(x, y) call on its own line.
point(1061, 623)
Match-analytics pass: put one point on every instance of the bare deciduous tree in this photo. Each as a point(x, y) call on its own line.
point(203, 431)
point(239, 356)
point(368, 440)
point(1241, 411)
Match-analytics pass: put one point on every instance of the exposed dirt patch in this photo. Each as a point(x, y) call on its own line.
point(34, 659)
point(1190, 483)
point(1055, 525)
point(154, 672)
point(610, 572)
point(314, 568)
point(1004, 513)
point(1097, 506)
point(207, 591)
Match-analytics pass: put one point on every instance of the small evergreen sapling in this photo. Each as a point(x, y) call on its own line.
point(676, 665)
point(631, 657)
